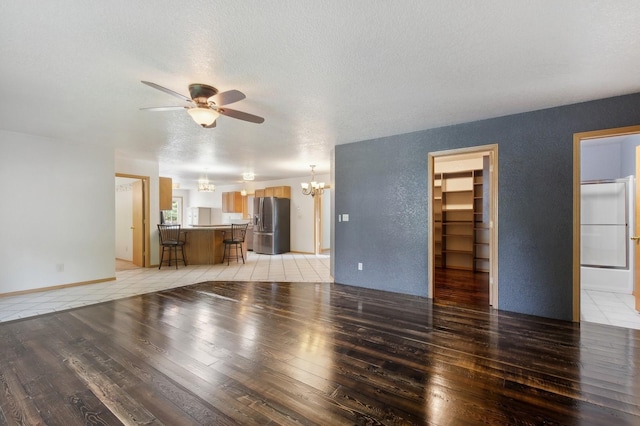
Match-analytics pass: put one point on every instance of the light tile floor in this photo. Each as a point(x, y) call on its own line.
point(287, 267)
point(609, 308)
point(596, 306)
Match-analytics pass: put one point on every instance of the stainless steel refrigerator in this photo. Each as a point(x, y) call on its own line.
point(271, 225)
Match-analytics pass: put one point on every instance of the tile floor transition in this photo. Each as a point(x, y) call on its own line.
point(596, 306)
point(287, 267)
point(609, 308)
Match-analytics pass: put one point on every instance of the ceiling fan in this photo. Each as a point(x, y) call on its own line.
point(206, 104)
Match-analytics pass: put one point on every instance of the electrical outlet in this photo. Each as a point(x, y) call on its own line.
point(60, 267)
point(359, 266)
point(345, 217)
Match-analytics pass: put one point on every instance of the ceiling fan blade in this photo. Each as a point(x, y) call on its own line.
point(165, 90)
point(240, 115)
point(210, 126)
point(228, 97)
point(163, 108)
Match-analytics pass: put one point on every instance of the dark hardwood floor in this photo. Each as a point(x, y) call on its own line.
point(311, 354)
point(460, 287)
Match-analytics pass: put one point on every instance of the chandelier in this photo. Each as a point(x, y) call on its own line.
point(245, 177)
point(205, 186)
point(312, 188)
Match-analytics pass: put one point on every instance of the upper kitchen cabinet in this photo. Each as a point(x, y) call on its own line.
point(232, 202)
point(274, 191)
point(166, 193)
point(278, 191)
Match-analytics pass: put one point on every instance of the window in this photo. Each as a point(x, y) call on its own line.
point(174, 215)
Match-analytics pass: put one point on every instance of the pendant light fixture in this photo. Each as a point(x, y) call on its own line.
point(312, 188)
point(205, 186)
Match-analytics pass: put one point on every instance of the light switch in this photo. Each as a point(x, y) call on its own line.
point(339, 218)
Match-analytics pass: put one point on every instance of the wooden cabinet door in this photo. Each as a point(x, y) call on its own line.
point(166, 193)
point(232, 202)
point(225, 202)
point(282, 192)
point(237, 201)
point(259, 193)
point(276, 191)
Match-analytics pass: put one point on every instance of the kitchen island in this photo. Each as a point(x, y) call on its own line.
point(204, 244)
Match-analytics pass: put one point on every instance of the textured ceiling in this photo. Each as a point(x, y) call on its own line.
point(321, 72)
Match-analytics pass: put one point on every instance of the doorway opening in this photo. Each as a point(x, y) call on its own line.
point(606, 226)
point(463, 226)
point(322, 222)
point(132, 219)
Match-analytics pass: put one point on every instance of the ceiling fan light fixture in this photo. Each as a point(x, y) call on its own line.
point(203, 116)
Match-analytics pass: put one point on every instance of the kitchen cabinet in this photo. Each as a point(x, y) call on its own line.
point(232, 202)
point(166, 193)
point(282, 191)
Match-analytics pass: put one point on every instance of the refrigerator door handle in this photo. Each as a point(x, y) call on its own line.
point(261, 213)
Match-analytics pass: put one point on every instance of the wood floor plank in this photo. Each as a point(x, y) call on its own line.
point(186, 372)
point(302, 353)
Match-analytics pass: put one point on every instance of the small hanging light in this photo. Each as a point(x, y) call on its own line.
point(205, 186)
point(312, 188)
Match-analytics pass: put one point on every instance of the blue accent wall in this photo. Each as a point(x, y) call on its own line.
point(382, 185)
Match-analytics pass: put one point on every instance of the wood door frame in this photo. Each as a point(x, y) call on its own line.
point(493, 231)
point(577, 158)
point(317, 224)
point(146, 215)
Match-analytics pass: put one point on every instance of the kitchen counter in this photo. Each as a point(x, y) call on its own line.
point(204, 244)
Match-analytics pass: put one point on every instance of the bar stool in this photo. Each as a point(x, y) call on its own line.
point(171, 240)
point(234, 237)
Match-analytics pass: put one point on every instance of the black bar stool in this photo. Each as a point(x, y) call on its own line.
point(171, 240)
point(234, 237)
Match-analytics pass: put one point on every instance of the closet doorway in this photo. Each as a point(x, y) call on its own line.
point(463, 226)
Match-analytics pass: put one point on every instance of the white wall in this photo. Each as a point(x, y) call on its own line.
point(58, 216)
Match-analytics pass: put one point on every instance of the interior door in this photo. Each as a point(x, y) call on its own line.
point(636, 237)
point(138, 223)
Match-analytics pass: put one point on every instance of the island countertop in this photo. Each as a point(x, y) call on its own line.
point(204, 244)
